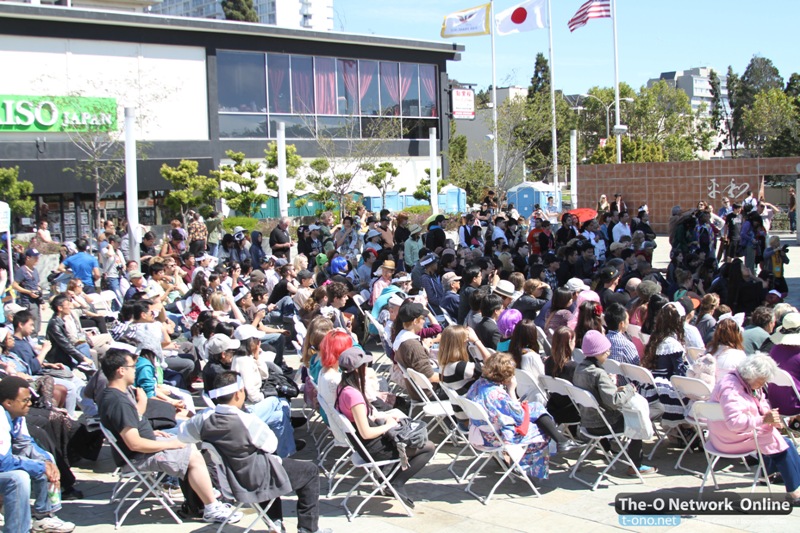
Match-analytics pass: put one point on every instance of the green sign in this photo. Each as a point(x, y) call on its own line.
point(57, 113)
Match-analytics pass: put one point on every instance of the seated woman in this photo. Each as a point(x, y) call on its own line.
point(665, 357)
point(727, 347)
point(516, 422)
point(81, 304)
point(459, 370)
point(371, 425)
point(591, 376)
point(740, 394)
point(506, 323)
point(535, 293)
point(561, 365)
point(310, 357)
point(559, 314)
point(150, 378)
point(62, 349)
point(589, 317)
point(524, 348)
point(333, 344)
point(786, 353)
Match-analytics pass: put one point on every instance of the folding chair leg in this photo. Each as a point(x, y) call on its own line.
point(261, 515)
point(710, 469)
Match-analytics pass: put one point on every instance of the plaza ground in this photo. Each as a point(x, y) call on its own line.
point(442, 505)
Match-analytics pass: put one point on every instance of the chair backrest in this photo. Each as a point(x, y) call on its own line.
point(556, 385)
point(692, 388)
point(693, 354)
point(112, 440)
point(638, 374)
point(634, 331)
point(783, 379)
point(544, 341)
point(528, 387)
point(422, 383)
point(424, 397)
point(180, 305)
point(207, 400)
point(708, 410)
point(447, 317)
point(475, 411)
point(359, 301)
point(582, 397)
point(334, 422)
point(577, 355)
point(645, 337)
point(612, 366)
point(299, 327)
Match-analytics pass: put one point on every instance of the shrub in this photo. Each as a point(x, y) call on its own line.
point(248, 223)
point(418, 210)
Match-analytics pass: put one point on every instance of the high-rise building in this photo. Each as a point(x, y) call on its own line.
point(307, 14)
point(696, 83)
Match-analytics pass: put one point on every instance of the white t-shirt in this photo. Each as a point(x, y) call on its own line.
point(327, 384)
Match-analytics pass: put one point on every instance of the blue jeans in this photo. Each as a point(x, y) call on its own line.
point(17, 487)
point(793, 220)
point(278, 341)
point(787, 463)
point(113, 284)
point(276, 413)
point(212, 249)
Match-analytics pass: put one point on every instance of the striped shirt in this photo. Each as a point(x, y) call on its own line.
point(622, 351)
point(460, 376)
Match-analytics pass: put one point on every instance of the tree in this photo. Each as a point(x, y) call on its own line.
point(598, 110)
point(793, 86)
point(721, 118)
point(423, 190)
point(240, 10)
point(483, 98)
point(244, 176)
point(771, 113)
point(540, 81)
point(322, 179)
point(633, 151)
point(293, 164)
point(190, 189)
point(474, 177)
point(16, 193)
point(759, 76)
point(382, 177)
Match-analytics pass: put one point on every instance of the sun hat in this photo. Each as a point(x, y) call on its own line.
point(413, 229)
point(504, 288)
point(609, 274)
point(371, 234)
point(388, 265)
point(594, 344)
point(789, 332)
point(507, 321)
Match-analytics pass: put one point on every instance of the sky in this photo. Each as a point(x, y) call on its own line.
point(654, 37)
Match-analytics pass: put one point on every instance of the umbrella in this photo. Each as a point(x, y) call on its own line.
point(430, 219)
point(584, 214)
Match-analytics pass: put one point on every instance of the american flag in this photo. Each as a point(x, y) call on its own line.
point(593, 9)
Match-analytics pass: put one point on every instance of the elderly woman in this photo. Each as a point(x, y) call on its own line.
point(591, 377)
point(786, 353)
point(514, 421)
point(745, 408)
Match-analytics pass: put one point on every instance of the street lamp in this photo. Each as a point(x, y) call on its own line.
point(608, 110)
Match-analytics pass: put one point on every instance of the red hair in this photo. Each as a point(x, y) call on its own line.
point(332, 346)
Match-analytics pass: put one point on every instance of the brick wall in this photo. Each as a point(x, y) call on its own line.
point(664, 185)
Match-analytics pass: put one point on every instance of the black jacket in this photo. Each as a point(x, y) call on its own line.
point(62, 350)
point(488, 333)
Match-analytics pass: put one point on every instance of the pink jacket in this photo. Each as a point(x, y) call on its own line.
point(743, 412)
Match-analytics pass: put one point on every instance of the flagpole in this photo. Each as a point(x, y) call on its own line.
point(616, 81)
point(494, 98)
point(553, 132)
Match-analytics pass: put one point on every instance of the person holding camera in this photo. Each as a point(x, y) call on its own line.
point(775, 257)
point(26, 283)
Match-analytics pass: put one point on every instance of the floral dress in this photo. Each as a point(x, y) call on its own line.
point(506, 414)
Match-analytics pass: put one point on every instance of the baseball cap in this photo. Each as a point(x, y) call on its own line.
point(245, 332)
point(609, 273)
point(220, 342)
point(238, 229)
point(313, 227)
point(12, 308)
point(353, 358)
point(257, 276)
point(280, 261)
point(411, 311)
point(689, 304)
point(135, 274)
point(304, 274)
point(32, 252)
point(576, 285)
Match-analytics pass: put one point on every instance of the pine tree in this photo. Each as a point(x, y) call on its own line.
point(240, 10)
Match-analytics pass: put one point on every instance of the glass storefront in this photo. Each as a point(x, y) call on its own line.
point(335, 97)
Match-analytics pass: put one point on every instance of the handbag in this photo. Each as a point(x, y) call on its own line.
point(58, 373)
point(408, 432)
point(636, 413)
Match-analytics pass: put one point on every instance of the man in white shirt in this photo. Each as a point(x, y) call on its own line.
point(623, 228)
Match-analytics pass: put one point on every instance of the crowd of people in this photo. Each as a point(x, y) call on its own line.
point(556, 294)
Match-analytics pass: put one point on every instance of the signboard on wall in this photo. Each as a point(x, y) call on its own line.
point(42, 114)
point(463, 104)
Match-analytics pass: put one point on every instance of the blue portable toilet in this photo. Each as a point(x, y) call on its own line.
point(529, 193)
point(373, 203)
point(452, 199)
point(393, 201)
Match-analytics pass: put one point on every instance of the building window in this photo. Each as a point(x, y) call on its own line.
point(326, 96)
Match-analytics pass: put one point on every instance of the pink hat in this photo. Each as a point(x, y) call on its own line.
point(594, 344)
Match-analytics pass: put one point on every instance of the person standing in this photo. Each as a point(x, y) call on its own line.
point(26, 283)
point(112, 263)
point(198, 234)
point(792, 210)
point(84, 266)
point(214, 228)
point(279, 240)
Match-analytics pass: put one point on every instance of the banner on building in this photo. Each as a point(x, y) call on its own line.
point(44, 114)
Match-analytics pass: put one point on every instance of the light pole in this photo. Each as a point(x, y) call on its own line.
point(608, 110)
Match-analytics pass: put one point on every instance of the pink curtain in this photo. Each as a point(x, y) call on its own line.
point(276, 74)
point(302, 85)
point(349, 70)
point(427, 75)
point(325, 85)
point(407, 72)
point(367, 72)
point(390, 77)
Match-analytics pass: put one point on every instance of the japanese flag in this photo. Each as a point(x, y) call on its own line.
point(526, 16)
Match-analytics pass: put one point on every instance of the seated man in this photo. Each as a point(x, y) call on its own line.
point(25, 467)
point(246, 445)
point(149, 450)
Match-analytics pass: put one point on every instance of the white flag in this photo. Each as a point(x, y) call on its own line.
point(526, 16)
point(472, 21)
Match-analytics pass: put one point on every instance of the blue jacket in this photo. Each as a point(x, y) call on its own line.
point(29, 457)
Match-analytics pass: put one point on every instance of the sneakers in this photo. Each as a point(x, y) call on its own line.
point(51, 524)
point(643, 470)
point(568, 445)
point(220, 512)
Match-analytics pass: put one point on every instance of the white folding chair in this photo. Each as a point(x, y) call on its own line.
point(559, 386)
point(633, 331)
point(344, 432)
point(515, 452)
point(693, 354)
point(149, 482)
point(642, 376)
point(645, 338)
point(544, 341)
point(783, 379)
point(227, 493)
point(690, 389)
point(528, 388)
point(712, 412)
point(612, 367)
point(577, 356)
point(299, 327)
point(447, 318)
point(437, 410)
point(453, 396)
point(359, 301)
point(381, 334)
point(587, 401)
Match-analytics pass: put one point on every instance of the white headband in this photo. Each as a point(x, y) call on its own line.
point(227, 389)
point(241, 294)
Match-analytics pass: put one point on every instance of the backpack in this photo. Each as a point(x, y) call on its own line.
point(410, 433)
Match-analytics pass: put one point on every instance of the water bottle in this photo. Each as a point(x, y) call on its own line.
point(54, 494)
